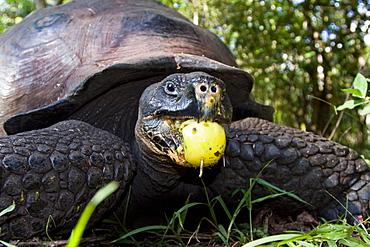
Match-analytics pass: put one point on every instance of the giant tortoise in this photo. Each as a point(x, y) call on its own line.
point(94, 91)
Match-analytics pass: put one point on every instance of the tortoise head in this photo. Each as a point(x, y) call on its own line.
point(164, 107)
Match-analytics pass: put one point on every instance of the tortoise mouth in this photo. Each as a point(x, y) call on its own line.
point(166, 107)
point(166, 137)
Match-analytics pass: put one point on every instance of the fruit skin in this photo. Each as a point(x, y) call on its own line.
point(203, 141)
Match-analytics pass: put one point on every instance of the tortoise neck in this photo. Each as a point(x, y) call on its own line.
point(156, 173)
point(161, 186)
point(154, 178)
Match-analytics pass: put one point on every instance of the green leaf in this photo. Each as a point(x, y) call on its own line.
point(352, 242)
point(7, 244)
point(365, 110)
point(223, 231)
point(309, 54)
point(360, 83)
point(270, 239)
point(349, 104)
point(354, 92)
point(364, 235)
point(305, 244)
point(332, 232)
point(241, 236)
point(8, 209)
point(222, 238)
point(332, 243)
point(290, 244)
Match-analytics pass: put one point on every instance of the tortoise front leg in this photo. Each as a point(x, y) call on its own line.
point(54, 172)
point(312, 167)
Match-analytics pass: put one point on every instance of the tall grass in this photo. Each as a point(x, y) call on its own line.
point(333, 233)
point(175, 233)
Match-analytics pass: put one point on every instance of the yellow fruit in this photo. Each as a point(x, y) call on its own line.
point(203, 142)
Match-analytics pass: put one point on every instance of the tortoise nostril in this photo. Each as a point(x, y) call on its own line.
point(203, 88)
point(213, 89)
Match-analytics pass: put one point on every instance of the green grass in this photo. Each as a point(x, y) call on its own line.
point(232, 234)
point(330, 233)
point(334, 233)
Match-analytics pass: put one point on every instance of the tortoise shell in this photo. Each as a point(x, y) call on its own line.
point(91, 61)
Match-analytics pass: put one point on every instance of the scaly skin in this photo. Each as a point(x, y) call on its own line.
point(312, 167)
point(54, 172)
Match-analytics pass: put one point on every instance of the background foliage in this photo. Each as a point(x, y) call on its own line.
point(299, 51)
point(13, 11)
point(295, 50)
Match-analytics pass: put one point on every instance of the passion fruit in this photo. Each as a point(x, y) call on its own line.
point(204, 142)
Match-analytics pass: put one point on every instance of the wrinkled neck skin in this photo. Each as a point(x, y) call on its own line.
point(156, 173)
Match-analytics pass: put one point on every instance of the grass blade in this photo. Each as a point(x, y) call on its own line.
point(267, 184)
point(224, 207)
point(222, 230)
point(7, 244)
point(352, 242)
point(141, 229)
point(305, 244)
point(189, 205)
point(332, 243)
point(223, 239)
point(8, 209)
point(270, 239)
point(291, 245)
point(269, 197)
point(365, 237)
point(100, 196)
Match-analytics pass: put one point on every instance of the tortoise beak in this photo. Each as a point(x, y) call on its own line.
point(209, 99)
point(200, 98)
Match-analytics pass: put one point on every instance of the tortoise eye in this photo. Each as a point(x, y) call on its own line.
point(170, 89)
